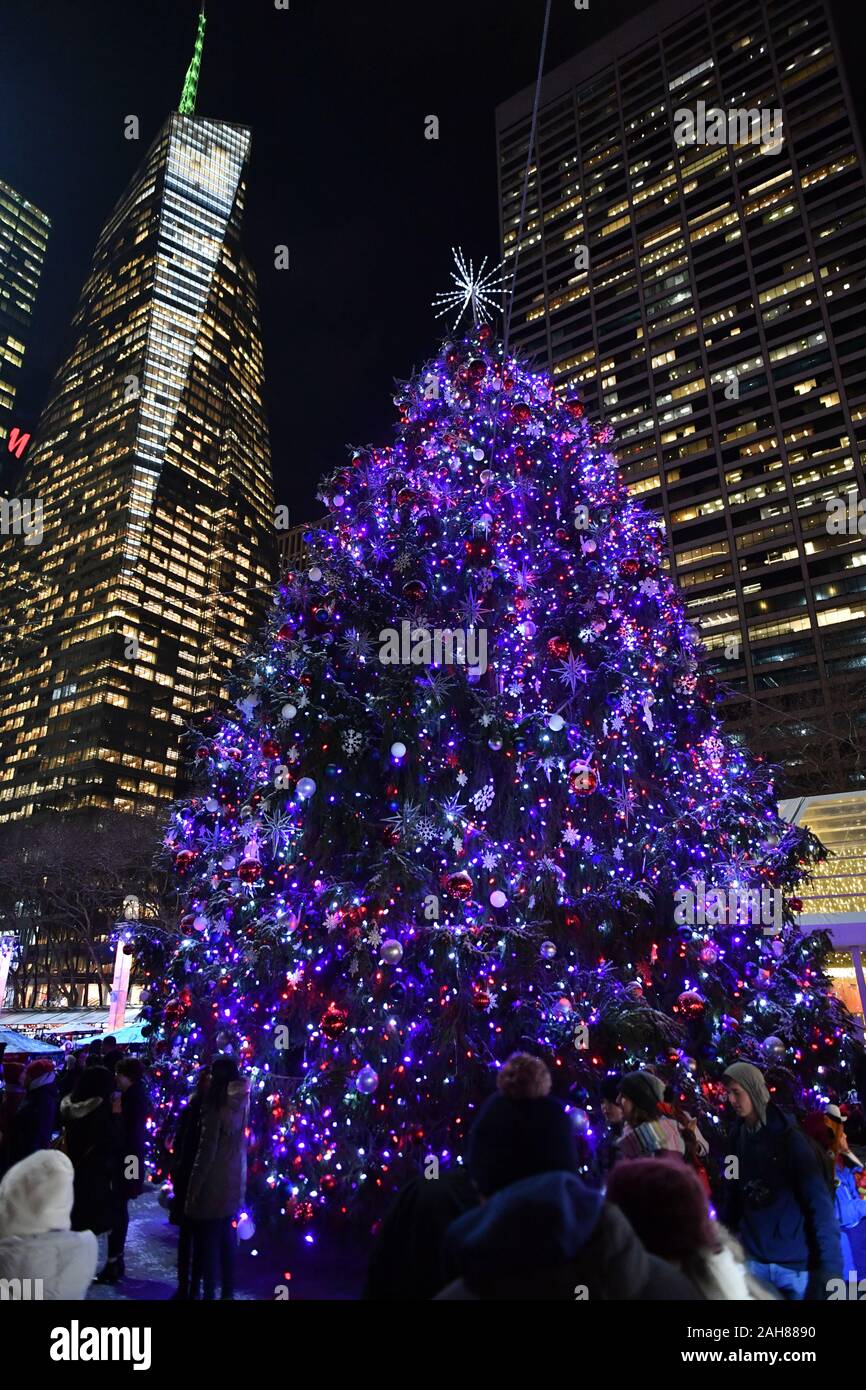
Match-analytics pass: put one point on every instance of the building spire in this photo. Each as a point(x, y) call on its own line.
point(190, 82)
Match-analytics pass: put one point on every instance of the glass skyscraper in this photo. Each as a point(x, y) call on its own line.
point(715, 318)
point(151, 470)
point(23, 239)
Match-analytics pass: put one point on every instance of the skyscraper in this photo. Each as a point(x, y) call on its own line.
point(149, 476)
point(23, 239)
point(706, 291)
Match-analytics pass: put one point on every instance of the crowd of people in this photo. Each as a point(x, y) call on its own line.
point(776, 1209)
point(73, 1155)
point(772, 1210)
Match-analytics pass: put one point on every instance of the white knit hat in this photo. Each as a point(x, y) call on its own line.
point(36, 1195)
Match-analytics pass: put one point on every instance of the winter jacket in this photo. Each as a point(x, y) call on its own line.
point(134, 1110)
point(35, 1240)
point(851, 1215)
point(407, 1262)
point(778, 1202)
point(183, 1153)
point(552, 1238)
point(12, 1094)
point(94, 1144)
point(652, 1137)
point(66, 1081)
point(35, 1119)
point(218, 1182)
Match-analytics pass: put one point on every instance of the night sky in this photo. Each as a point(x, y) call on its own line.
point(336, 95)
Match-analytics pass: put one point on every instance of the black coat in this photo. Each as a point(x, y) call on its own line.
point(550, 1238)
point(34, 1122)
point(407, 1262)
point(67, 1080)
point(95, 1148)
point(134, 1110)
point(183, 1153)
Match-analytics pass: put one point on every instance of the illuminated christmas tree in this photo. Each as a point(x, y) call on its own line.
point(475, 797)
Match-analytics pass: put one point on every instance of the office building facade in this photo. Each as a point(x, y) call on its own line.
point(702, 280)
point(150, 476)
point(24, 231)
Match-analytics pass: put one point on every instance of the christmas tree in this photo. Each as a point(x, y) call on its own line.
point(475, 796)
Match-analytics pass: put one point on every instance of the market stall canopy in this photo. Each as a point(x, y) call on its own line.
point(63, 1021)
point(129, 1033)
point(18, 1042)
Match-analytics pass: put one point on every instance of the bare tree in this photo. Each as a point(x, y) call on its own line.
point(819, 750)
point(63, 881)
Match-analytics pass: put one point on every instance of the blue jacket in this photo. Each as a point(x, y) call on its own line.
point(778, 1201)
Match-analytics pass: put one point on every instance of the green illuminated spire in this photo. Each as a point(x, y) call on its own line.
point(190, 82)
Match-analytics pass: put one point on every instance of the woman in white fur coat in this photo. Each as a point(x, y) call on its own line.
point(36, 1242)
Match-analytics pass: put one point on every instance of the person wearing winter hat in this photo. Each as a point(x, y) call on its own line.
point(73, 1065)
point(36, 1116)
point(666, 1206)
point(36, 1242)
point(131, 1108)
point(614, 1120)
point(828, 1129)
point(648, 1130)
point(540, 1232)
point(775, 1196)
point(94, 1144)
point(610, 1106)
point(12, 1094)
point(217, 1183)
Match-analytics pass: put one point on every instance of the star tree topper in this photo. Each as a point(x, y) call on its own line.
point(481, 291)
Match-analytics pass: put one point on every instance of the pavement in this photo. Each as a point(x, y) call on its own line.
point(282, 1268)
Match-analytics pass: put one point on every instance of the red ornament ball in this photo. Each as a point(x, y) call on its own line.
point(458, 885)
point(184, 859)
point(476, 371)
point(334, 1020)
point(270, 748)
point(692, 1003)
point(414, 590)
point(582, 779)
point(558, 647)
point(249, 870)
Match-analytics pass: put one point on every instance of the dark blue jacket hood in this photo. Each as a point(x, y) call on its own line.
point(537, 1223)
point(551, 1237)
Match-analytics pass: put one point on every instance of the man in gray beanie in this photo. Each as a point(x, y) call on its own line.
point(751, 1107)
point(776, 1198)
